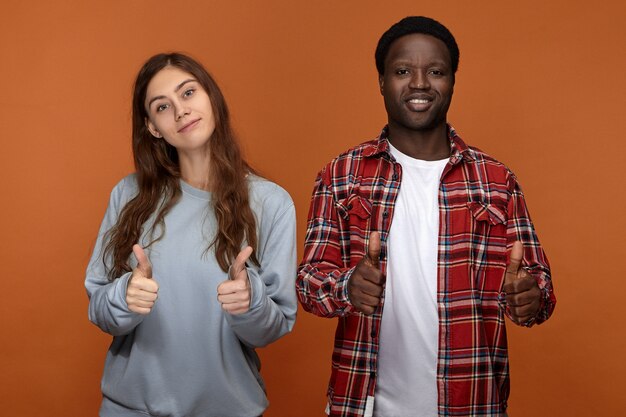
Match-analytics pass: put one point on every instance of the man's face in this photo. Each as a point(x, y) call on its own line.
point(417, 84)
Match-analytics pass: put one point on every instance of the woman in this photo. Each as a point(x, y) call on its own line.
point(211, 275)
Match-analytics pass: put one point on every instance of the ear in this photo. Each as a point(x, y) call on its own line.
point(381, 82)
point(152, 128)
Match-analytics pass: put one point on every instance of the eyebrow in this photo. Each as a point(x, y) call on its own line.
point(178, 87)
point(411, 62)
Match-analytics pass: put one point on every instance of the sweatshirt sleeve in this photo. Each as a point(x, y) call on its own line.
point(107, 299)
point(273, 303)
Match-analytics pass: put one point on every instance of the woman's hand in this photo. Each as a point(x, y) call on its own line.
point(234, 294)
point(142, 289)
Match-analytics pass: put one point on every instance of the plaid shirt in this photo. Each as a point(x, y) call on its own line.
point(482, 212)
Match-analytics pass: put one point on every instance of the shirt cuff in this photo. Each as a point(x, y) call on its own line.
point(257, 288)
point(341, 293)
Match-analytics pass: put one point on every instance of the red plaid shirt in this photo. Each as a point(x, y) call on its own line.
point(482, 212)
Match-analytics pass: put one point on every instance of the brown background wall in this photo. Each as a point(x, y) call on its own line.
point(540, 86)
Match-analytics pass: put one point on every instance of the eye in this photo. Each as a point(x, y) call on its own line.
point(162, 107)
point(189, 92)
point(436, 72)
point(402, 71)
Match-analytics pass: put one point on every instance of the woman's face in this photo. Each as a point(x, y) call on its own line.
point(179, 110)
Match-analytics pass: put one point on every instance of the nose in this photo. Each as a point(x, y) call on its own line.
point(420, 81)
point(181, 111)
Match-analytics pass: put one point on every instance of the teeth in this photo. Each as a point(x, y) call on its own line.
point(418, 101)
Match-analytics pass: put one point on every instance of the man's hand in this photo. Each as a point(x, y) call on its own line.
point(523, 296)
point(365, 287)
point(234, 293)
point(141, 292)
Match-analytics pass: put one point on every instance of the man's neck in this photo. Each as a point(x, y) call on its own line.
point(427, 145)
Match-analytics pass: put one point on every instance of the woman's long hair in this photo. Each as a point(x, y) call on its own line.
point(158, 175)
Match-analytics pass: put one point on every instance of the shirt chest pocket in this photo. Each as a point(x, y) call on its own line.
point(355, 214)
point(488, 229)
point(487, 250)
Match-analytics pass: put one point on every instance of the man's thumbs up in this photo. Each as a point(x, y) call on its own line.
point(515, 261)
point(373, 250)
point(365, 287)
point(234, 293)
point(523, 296)
point(142, 290)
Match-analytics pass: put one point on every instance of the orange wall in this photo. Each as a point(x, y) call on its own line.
point(540, 86)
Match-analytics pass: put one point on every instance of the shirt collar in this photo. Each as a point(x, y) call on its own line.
point(458, 149)
point(381, 146)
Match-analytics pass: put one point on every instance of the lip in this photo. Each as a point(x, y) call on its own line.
point(188, 126)
point(419, 102)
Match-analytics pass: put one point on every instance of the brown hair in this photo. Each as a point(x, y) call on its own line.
point(158, 175)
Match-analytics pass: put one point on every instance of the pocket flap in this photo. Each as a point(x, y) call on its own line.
point(492, 213)
point(355, 205)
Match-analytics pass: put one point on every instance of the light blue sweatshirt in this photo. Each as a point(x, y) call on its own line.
point(188, 357)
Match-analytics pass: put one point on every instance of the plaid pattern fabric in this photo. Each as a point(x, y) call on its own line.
point(482, 212)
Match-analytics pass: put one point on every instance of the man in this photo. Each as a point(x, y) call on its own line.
point(420, 245)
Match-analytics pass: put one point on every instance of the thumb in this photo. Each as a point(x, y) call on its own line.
point(515, 259)
point(143, 263)
point(373, 249)
point(240, 264)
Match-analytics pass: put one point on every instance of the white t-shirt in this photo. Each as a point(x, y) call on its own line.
point(407, 358)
